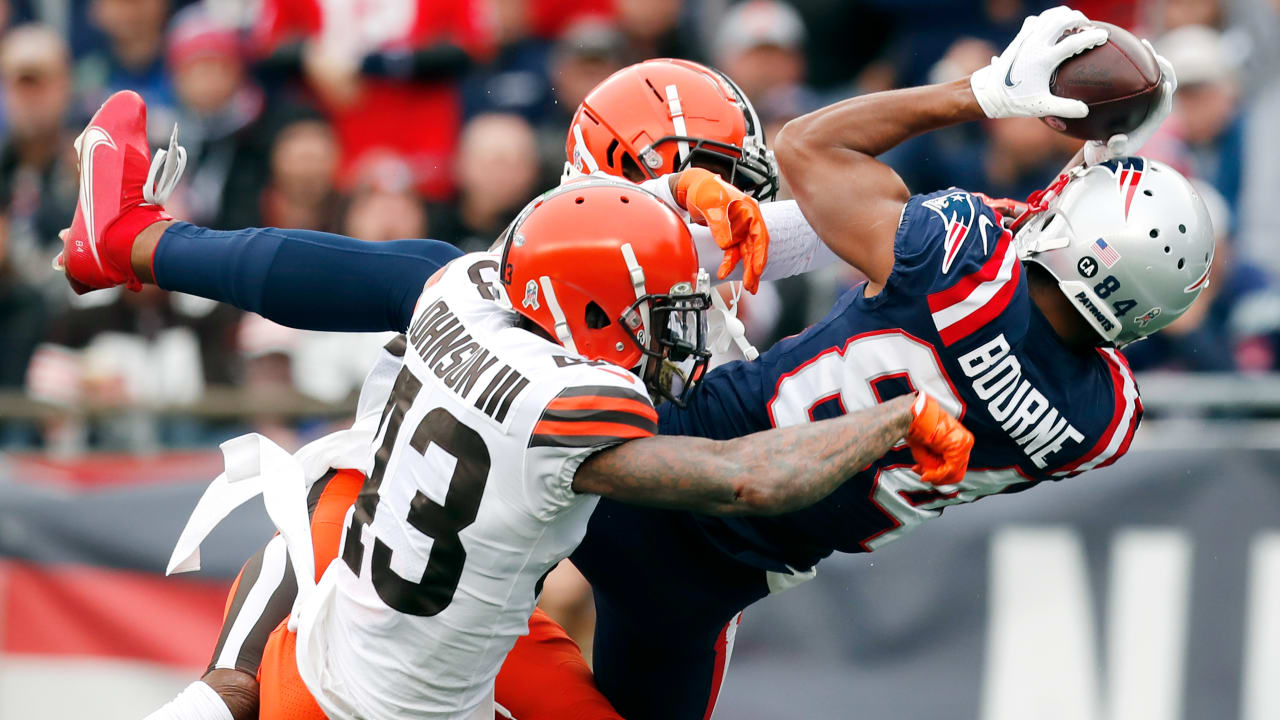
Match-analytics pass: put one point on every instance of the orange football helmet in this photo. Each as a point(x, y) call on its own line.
point(662, 116)
point(611, 272)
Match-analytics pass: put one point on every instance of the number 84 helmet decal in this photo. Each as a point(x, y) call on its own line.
point(1129, 242)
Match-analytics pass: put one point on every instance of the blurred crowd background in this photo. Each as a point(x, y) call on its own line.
point(385, 119)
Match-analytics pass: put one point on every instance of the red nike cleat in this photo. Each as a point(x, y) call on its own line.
point(115, 167)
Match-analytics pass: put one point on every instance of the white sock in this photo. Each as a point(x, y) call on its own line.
point(197, 702)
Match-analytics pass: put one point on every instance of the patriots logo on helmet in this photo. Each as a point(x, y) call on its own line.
point(1128, 172)
point(957, 213)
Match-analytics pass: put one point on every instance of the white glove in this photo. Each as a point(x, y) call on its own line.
point(1121, 144)
point(1016, 84)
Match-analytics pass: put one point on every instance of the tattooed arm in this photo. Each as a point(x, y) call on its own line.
point(765, 473)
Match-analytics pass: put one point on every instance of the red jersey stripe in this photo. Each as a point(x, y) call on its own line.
point(967, 284)
point(986, 313)
point(1109, 447)
point(1117, 413)
point(1127, 374)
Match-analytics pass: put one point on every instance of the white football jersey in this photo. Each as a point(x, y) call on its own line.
point(466, 509)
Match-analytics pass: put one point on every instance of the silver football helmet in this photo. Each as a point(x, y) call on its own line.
point(1129, 242)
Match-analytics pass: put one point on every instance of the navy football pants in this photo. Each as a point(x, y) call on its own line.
point(664, 598)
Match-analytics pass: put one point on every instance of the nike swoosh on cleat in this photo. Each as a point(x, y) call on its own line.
point(89, 141)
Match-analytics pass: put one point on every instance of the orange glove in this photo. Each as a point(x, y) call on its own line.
point(938, 442)
point(734, 218)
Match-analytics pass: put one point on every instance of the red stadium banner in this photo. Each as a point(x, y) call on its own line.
point(86, 611)
point(84, 602)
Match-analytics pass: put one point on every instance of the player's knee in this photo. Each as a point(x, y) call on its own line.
point(238, 689)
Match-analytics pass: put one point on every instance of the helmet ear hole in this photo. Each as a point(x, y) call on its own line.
point(631, 169)
point(596, 318)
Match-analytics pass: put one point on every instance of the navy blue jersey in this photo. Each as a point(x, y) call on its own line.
point(955, 319)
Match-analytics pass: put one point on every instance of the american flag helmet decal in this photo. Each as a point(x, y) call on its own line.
point(1105, 253)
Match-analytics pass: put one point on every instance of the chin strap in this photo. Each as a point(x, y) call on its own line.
point(1038, 201)
point(637, 284)
point(557, 313)
point(677, 122)
point(580, 153)
point(166, 169)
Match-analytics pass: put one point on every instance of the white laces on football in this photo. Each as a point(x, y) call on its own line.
point(166, 170)
point(1121, 144)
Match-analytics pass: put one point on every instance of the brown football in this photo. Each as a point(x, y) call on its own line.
point(1118, 81)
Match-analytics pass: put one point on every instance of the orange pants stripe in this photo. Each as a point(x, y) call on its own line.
point(543, 678)
point(282, 694)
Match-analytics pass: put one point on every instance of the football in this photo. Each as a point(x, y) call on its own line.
point(1118, 81)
